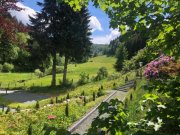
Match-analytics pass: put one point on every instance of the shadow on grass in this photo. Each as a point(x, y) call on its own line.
point(59, 89)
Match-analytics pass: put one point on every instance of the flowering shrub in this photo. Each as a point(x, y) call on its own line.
point(152, 70)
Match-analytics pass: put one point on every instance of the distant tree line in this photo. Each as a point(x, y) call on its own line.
point(125, 47)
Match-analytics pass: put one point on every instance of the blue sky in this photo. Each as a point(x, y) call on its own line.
point(99, 21)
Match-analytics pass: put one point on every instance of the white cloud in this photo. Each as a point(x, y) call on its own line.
point(95, 24)
point(114, 33)
point(24, 14)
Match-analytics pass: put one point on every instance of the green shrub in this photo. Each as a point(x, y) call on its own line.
point(113, 77)
point(18, 109)
point(38, 73)
point(51, 101)
point(133, 63)
point(37, 106)
point(101, 74)
point(1, 67)
point(126, 79)
point(68, 97)
point(85, 101)
point(29, 132)
point(131, 97)
point(67, 110)
point(83, 93)
point(56, 99)
point(7, 67)
point(59, 69)
point(8, 110)
point(100, 92)
point(84, 78)
point(94, 96)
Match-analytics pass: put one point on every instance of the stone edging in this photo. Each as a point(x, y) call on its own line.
point(72, 128)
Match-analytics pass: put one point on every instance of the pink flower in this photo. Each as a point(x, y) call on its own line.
point(50, 117)
point(151, 70)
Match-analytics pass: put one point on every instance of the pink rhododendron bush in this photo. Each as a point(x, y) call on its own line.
point(163, 66)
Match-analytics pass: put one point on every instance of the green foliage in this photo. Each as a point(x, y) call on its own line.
point(84, 78)
point(18, 109)
point(121, 56)
point(8, 49)
point(164, 108)
point(68, 96)
point(100, 92)
point(37, 106)
point(126, 79)
point(131, 97)
point(51, 101)
point(113, 45)
point(29, 132)
point(38, 73)
point(94, 96)
point(7, 67)
point(8, 110)
point(1, 67)
point(117, 119)
point(59, 69)
point(133, 63)
point(101, 74)
point(85, 100)
point(67, 110)
point(98, 49)
point(113, 76)
point(83, 93)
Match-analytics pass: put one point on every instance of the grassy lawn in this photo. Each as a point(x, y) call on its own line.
point(10, 80)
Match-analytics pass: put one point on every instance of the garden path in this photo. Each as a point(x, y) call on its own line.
point(84, 124)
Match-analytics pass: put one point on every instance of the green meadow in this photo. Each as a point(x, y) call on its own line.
point(12, 80)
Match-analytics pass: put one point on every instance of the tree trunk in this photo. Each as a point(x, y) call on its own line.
point(53, 83)
point(65, 70)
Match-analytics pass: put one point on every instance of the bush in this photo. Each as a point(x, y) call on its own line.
point(37, 106)
point(94, 96)
point(38, 73)
point(51, 101)
point(59, 69)
point(113, 76)
point(83, 93)
point(1, 67)
point(85, 101)
point(126, 79)
point(100, 92)
point(68, 96)
point(133, 63)
point(18, 109)
point(7, 67)
point(101, 74)
point(84, 78)
point(8, 110)
point(67, 110)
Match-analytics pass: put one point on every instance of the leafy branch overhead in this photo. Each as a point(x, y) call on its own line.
point(159, 17)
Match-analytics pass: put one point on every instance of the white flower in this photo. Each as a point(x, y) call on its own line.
point(65, 101)
point(68, 100)
point(142, 108)
point(159, 120)
point(144, 101)
point(150, 123)
point(162, 106)
point(156, 126)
